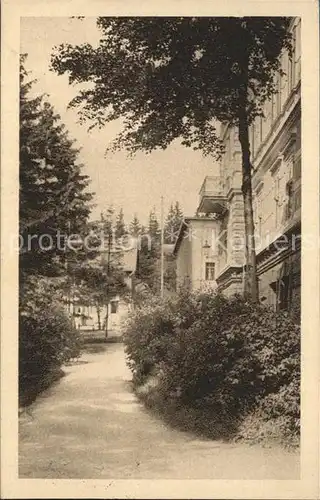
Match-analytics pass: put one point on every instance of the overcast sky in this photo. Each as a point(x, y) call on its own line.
point(134, 184)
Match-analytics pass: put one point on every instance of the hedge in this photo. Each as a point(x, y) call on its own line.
point(225, 357)
point(47, 339)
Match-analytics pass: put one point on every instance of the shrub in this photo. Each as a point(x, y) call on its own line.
point(47, 340)
point(275, 418)
point(149, 332)
point(226, 356)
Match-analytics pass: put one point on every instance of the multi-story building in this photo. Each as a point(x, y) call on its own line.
point(196, 256)
point(275, 142)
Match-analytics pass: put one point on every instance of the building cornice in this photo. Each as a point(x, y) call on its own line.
point(231, 193)
point(273, 253)
point(266, 259)
point(230, 280)
point(228, 272)
point(275, 259)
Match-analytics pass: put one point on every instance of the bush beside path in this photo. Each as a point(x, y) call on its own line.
point(224, 368)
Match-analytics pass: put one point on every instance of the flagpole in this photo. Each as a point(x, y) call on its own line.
point(162, 254)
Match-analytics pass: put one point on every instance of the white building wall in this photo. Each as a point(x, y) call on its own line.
point(116, 319)
point(184, 267)
point(204, 234)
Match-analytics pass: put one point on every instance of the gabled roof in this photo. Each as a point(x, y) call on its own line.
point(184, 227)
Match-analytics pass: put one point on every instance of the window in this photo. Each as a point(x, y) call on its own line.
point(273, 108)
point(257, 214)
point(278, 95)
point(267, 120)
point(252, 140)
point(261, 129)
point(210, 268)
point(296, 173)
point(276, 197)
point(228, 146)
point(292, 62)
point(297, 53)
point(114, 307)
point(256, 134)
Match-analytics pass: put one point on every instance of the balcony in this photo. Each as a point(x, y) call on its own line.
point(212, 198)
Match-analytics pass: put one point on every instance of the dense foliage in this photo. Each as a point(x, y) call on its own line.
point(54, 199)
point(54, 203)
point(186, 72)
point(47, 338)
point(228, 357)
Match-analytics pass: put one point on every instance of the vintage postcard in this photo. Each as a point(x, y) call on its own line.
point(160, 249)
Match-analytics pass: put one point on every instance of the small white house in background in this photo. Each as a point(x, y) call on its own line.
point(120, 307)
point(86, 317)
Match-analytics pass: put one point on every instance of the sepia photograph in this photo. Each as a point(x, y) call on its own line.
point(159, 244)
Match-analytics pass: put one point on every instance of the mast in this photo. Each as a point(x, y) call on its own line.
point(162, 253)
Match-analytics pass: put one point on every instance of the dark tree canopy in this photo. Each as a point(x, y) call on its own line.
point(171, 78)
point(176, 77)
point(53, 190)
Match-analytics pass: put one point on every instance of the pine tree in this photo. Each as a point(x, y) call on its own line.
point(171, 231)
point(135, 227)
point(120, 227)
point(54, 201)
point(154, 232)
point(153, 227)
point(108, 220)
point(149, 254)
point(173, 223)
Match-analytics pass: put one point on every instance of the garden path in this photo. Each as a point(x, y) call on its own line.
point(91, 426)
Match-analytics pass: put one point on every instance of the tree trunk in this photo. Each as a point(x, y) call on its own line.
point(107, 321)
point(99, 318)
point(250, 277)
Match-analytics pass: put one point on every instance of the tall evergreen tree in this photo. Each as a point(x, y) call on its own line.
point(149, 254)
point(135, 227)
point(173, 223)
point(120, 227)
point(171, 231)
point(153, 224)
point(154, 232)
point(54, 201)
point(107, 218)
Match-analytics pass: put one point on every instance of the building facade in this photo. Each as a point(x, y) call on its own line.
point(275, 141)
point(196, 257)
